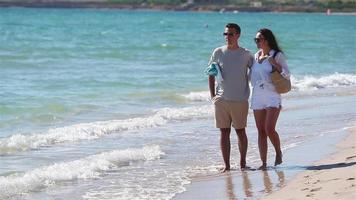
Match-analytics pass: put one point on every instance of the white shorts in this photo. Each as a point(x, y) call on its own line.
point(265, 96)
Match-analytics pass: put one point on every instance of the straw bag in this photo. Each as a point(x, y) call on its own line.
point(282, 85)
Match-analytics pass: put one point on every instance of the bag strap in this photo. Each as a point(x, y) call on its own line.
point(274, 56)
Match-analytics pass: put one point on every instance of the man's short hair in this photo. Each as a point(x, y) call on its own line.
point(234, 26)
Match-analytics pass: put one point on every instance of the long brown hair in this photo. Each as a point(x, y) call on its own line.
point(269, 36)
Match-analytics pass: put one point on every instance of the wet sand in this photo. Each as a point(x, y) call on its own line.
point(299, 177)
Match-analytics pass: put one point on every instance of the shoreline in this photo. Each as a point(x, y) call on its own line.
point(169, 7)
point(333, 177)
point(279, 182)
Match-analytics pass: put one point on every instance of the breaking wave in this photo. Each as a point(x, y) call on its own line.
point(95, 130)
point(301, 84)
point(86, 168)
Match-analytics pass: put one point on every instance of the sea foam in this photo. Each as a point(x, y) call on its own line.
point(197, 96)
point(95, 130)
point(299, 84)
point(332, 80)
point(86, 168)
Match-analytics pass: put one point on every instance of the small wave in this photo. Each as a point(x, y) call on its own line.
point(333, 80)
point(86, 168)
point(95, 130)
point(299, 84)
point(197, 96)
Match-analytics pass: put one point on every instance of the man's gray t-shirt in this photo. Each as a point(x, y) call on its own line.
point(234, 65)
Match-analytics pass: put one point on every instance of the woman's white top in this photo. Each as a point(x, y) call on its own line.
point(261, 72)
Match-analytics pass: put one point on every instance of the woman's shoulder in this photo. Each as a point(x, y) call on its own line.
point(276, 53)
point(280, 55)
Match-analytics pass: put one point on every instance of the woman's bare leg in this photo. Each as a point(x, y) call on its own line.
point(260, 119)
point(271, 121)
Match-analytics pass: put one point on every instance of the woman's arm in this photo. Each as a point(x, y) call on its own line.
point(280, 63)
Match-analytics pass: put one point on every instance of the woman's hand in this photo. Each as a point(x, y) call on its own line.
point(274, 63)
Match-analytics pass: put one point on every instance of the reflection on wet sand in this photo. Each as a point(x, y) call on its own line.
point(268, 184)
point(230, 187)
point(247, 186)
point(281, 178)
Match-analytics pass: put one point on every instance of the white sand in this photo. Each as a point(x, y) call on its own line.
point(331, 178)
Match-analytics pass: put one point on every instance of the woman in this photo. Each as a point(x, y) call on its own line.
point(265, 101)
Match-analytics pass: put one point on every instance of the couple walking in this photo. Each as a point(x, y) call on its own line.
point(235, 64)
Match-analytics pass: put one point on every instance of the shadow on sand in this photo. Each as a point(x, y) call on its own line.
point(319, 167)
point(330, 166)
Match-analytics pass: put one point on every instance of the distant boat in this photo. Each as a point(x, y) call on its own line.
point(328, 11)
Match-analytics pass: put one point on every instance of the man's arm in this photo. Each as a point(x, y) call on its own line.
point(212, 86)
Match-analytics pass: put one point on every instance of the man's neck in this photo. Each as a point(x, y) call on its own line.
point(232, 46)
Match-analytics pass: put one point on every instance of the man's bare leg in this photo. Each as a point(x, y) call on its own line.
point(243, 143)
point(225, 147)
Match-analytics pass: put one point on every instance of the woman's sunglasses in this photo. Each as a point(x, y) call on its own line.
point(258, 40)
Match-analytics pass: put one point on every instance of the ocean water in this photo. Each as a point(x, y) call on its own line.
point(113, 104)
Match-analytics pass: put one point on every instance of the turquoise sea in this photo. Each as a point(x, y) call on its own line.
point(113, 104)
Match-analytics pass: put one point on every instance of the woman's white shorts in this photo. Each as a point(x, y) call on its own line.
point(265, 96)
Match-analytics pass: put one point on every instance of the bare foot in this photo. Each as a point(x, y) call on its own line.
point(263, 167)
point(242, 164)
point(245, 168)
point(278, 160)
point(226, 169)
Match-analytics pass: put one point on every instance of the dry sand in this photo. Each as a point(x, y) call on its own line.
point(331, 178)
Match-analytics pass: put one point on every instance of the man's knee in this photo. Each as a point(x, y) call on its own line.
point(240, 131)
point(225, 131)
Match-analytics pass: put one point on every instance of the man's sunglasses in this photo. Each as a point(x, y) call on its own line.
point(228, 34)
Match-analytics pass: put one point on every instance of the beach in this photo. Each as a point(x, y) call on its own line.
point(331, 178)
point(211, 6)
point(114, 104)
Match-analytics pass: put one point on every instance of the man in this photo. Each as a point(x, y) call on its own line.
point(232, 92)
